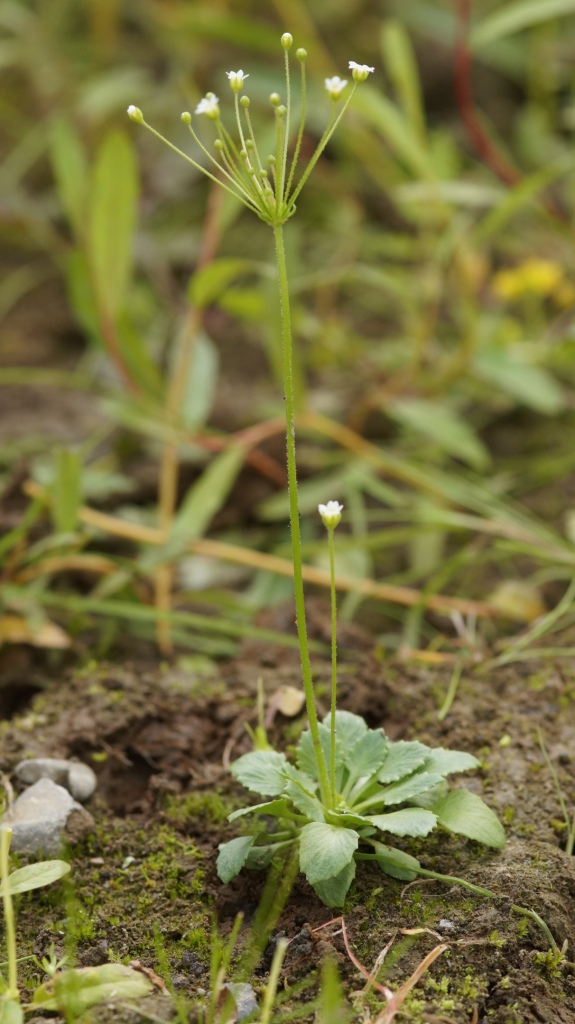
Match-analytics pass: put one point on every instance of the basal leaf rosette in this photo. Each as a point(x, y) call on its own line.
point(383, 789)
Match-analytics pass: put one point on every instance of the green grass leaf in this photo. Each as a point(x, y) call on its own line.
point(438, 423)
point(70, 166)
point(66, 490)
point(400, 60)
point(210, 281)
point(532, 385)
point(325, 850)
point(516, 16)
point(467, 815)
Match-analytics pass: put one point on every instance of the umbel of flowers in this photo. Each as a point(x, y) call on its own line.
point(267, 184)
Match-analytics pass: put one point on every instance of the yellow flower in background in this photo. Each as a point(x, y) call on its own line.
point(534, 276)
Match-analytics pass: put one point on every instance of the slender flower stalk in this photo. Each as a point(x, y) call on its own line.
point(240, 171)
point(331, 515)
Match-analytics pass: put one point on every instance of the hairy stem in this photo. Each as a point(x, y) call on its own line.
point(287, 359)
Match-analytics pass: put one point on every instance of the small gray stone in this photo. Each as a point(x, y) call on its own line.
point(244, 997)
point(40, 815)
point(76, 777)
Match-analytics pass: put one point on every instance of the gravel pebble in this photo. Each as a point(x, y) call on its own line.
point(40, 816)
point(77, 778)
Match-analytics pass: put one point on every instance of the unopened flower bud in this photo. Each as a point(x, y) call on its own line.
point(135, 114)
point(245, 101)
point(186, 117)
point(287, 40)
point(301, 54)
point(275, 99)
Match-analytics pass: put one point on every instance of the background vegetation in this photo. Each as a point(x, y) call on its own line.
point(433, 278)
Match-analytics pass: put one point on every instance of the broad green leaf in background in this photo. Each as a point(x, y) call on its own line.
point(137, 358)
point(514, 200)
point(34, 876)
point(467, 815)
point(400, 60)
point(201, 383)
point(113, 202)
point(66, 490)
point(325, 850)
point(532, 385)
point(438, 423)
point(71, 172)
point(516, 16)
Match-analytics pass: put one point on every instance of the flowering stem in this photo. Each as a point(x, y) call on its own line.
point(330, 533)
point(12, 990)
point(287, 360)
point(331, 127)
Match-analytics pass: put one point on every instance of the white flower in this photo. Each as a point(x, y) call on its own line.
point(360, 71)
point(330, 514)
point(237, 79)
point(335, 86)
point(209, 106)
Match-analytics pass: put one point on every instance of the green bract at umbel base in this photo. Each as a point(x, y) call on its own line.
point(382, 788)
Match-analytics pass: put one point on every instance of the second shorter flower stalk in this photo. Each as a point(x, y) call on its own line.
point(331, 515)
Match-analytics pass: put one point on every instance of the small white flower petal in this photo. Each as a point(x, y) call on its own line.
point(360, 71)
point(209, 106)
point(335, 86)
point(330, 514)
point(237, 79)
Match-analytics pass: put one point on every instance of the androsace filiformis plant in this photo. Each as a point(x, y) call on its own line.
point(335, 802)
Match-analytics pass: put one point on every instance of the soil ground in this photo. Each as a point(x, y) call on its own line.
point(159, 738)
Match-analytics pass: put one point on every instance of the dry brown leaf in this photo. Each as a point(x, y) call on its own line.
point(16, 630)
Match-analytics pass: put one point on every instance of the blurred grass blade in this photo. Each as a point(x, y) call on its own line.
point(520, 196)
point(516, 16)
point(384, 116)
point(113, 198)
point(400, 60)
point(438, 423)
point(532, 385)
point(210, 281)
point(138, 360)
point(66, 490)
point(71, 172)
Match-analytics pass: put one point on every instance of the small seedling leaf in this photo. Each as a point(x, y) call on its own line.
point(232, 857)
point(34, 876)
point(399, 792)
point(325, 850)
point(402, 759)
point(467, 815)
point(411, 821)
point(332, 891)
point(261, 771)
